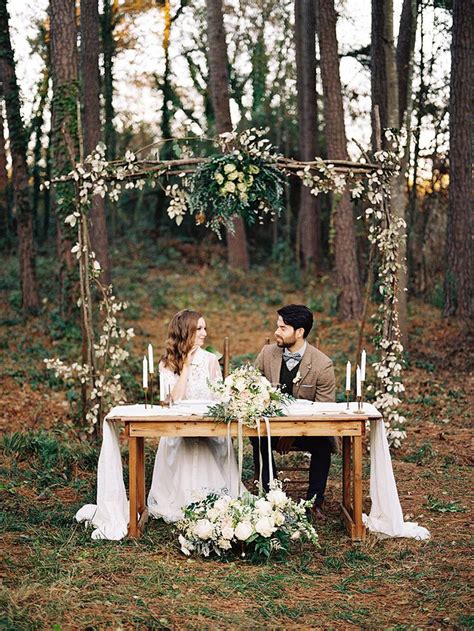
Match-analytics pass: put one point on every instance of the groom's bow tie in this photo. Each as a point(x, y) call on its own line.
point(291, 359)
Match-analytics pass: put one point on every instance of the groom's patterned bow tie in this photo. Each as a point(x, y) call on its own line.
point(291, 359)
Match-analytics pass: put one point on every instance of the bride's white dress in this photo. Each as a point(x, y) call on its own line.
point(186, 469)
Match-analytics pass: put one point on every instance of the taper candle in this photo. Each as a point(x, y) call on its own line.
point(363, 358)
point(358, 383)
point(145, 373)
point(151, 365)
point(348, 376)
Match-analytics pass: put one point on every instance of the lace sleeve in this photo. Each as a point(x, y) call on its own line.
point(215, 373)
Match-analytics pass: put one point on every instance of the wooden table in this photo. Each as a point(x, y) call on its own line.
point(350, 427)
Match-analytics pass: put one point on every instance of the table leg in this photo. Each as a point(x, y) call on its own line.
point(141, 474)
point(346, 473)
point(359, 528)
point(132, 474)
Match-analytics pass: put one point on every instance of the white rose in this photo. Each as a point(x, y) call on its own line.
point(263, 506)
point(277, 497)
point(213, 513)
point(296, 535)
point(222, 503)
point(243, 530)
point(265, 526)
point(278, 518)
point(227, 532)
point(203, 529)
point(229, 187)
point(240, 384)
point(224, 544)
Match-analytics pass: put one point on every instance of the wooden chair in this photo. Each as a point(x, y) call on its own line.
point(226, 358)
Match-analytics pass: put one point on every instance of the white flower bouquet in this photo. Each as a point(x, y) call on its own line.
point(258, 526)
point(246, 396)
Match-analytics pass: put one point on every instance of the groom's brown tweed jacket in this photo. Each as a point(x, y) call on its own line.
point(317, 381)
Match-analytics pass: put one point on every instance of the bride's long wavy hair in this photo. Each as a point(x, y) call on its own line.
point(181, 332)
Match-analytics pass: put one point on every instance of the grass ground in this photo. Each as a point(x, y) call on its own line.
point(55, 577)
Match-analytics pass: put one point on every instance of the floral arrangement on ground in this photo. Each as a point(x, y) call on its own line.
point(246, 396)
point(255, 526)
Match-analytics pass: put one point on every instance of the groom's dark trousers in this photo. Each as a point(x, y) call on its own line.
point(320, 449)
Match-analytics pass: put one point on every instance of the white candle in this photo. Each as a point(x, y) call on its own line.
point(348, 376)
point(358, 383)
point(145, 373)
point(362, 365)
point(151, 365)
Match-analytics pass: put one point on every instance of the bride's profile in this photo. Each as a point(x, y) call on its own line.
point(185, 468)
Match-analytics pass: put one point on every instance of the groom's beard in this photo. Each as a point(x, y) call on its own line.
point(281, 343)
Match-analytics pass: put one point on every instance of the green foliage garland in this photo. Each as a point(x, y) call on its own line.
point(235, 184)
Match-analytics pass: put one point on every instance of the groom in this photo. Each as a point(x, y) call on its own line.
point(306, 373)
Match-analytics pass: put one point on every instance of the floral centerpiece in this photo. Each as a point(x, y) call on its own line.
point(260, 526)
point(246, 396)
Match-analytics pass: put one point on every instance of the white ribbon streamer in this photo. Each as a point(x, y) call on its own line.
point(269, 438)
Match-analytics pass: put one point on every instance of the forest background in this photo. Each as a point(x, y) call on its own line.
point(174, 75)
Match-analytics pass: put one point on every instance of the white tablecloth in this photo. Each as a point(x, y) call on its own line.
point(110, 515)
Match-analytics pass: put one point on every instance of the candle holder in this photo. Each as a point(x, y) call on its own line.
point(151, 389)
point(348, 392)
point(360, 409)
point(145, 390)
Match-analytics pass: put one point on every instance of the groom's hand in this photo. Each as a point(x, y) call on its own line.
point(284, 444)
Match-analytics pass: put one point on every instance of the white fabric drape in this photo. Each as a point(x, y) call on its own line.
point(110, 514)
point(386, 516)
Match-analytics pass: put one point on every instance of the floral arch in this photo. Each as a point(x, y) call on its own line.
point(245, 178)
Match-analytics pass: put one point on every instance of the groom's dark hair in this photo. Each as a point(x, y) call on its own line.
point(297, 316)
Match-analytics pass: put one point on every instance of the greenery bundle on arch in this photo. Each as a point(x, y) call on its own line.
point(243, 181)
point(235, 184)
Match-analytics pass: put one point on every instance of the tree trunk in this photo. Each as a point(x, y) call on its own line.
point(347, 272)
point(386, 92)
point(64, 134)
point(459, 268)
point(309, 223)
point(378, 68)
point(4, 202)
point(91, 124)
point(219, 87)
point(29, 285)
point(108, 48)
point(401, 62)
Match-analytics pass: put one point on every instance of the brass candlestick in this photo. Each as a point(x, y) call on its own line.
point(360, 400)
point(145, 390)
point(151, 389)
point(348, 392)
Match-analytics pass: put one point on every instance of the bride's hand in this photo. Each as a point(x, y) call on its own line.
point(190, 355)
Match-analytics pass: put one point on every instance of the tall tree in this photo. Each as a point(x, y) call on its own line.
point(309, 223)
point(4, 202)
point(219, 87)
point(459, 266)
point(91, 123)
point(108, 22)
point(350, 303)
point(64, 131)
point(18, 143)
point(392, 97)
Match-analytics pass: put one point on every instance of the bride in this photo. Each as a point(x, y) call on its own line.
point(188, 468)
